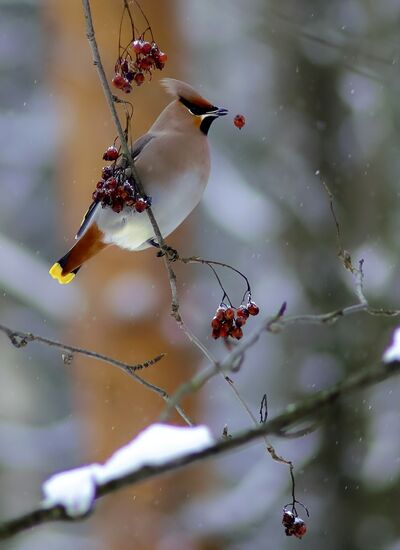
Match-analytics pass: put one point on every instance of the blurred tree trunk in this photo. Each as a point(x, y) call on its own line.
point(114, 407)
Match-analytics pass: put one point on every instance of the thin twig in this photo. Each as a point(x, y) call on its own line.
point(159, 238)
point(20, 339)
point(294, 414)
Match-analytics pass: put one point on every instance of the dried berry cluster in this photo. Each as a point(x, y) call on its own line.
point(115, 189)
point(293, 524)
point(132, 70)
point(228, 322)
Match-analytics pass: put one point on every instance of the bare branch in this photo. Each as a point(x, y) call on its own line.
point(20, 339)
point(305, 409)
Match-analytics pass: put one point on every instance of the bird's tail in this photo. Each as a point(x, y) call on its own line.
point(87, 246)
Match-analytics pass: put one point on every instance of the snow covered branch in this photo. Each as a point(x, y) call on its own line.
point(70, 496)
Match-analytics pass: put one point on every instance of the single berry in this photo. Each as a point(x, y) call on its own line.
point(118, 81)
point(253, 308)
point(127, 88)
point(141, 205)
point(215, 333)
point(237, 333)
point(137, 46)
point(239, 121)
point(118, 206)
point(111, 153)
point(240, 321)
point(124, 66)
point(220, 313)
point(299, 528)
point(139, 78)
point(215, 323)
point(242, 312)
point(100, 184)
point(162, 57)
point(224, 331)
point(288, 518)
point(146, 48)
point(111, 183)
point(146, 63)
point(229, 314)
point(106, 172)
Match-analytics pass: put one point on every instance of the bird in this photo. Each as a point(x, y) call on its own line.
point(172, 161)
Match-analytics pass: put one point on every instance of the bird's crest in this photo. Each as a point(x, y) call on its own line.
point(186, 94)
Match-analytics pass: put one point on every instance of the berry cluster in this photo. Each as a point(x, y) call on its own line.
point(132, 70)
point(294, 526)
point(239, 121)
point(228, 322)
point(115, 189)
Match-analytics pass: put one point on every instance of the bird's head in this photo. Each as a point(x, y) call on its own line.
point(202, 113)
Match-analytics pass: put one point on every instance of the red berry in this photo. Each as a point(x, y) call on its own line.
point(118, 81)
point(127, 87)
point(215, 333)
point(220, 313)
point(139, 78)
point(229, 314)
point(299, 528)
point(146, 63)
point(224, 331)
point(100, 184)
point(240, 321)
point(111, 153)
point(146, 48)
point(237, 333)
point(137, 46)
point(239, 121)
point(111, 183)
point(141, 205)
point(106, 172)
point(162, 57)
point(288, 518)
point(242, 312)
point(124, 66)
point(118, 206)
point(253, 308)
point(215, 323)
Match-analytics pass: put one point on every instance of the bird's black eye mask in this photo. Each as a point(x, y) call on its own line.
point(196, 109)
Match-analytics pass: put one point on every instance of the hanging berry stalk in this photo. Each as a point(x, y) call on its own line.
point(139, 57)
point(293, 524)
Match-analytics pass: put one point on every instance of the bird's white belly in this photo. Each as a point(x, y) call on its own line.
point(132, 230)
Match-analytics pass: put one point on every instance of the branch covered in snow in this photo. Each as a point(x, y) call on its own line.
point(70, 496)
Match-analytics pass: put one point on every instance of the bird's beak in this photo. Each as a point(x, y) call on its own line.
point(222, 112)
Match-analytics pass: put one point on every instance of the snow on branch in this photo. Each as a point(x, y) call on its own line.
point(75, 490)
point(143, 459)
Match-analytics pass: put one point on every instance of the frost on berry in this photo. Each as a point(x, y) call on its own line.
point(239, 121)
point(293, 524)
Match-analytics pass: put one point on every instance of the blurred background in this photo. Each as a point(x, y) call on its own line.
point(318, 83)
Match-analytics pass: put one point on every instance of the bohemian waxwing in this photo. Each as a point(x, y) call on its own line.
point(173, 163)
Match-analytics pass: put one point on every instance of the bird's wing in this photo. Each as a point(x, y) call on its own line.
point(137, 148)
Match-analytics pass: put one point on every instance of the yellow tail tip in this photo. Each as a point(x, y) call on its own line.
point(56, 273)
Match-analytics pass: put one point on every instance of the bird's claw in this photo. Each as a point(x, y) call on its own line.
point(171, 254)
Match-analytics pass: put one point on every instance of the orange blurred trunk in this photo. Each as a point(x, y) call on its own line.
point(114, 407)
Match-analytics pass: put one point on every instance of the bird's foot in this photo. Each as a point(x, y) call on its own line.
point(171, 254)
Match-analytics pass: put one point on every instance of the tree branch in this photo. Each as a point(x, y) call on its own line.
point(307, 408)
point(20, 339)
